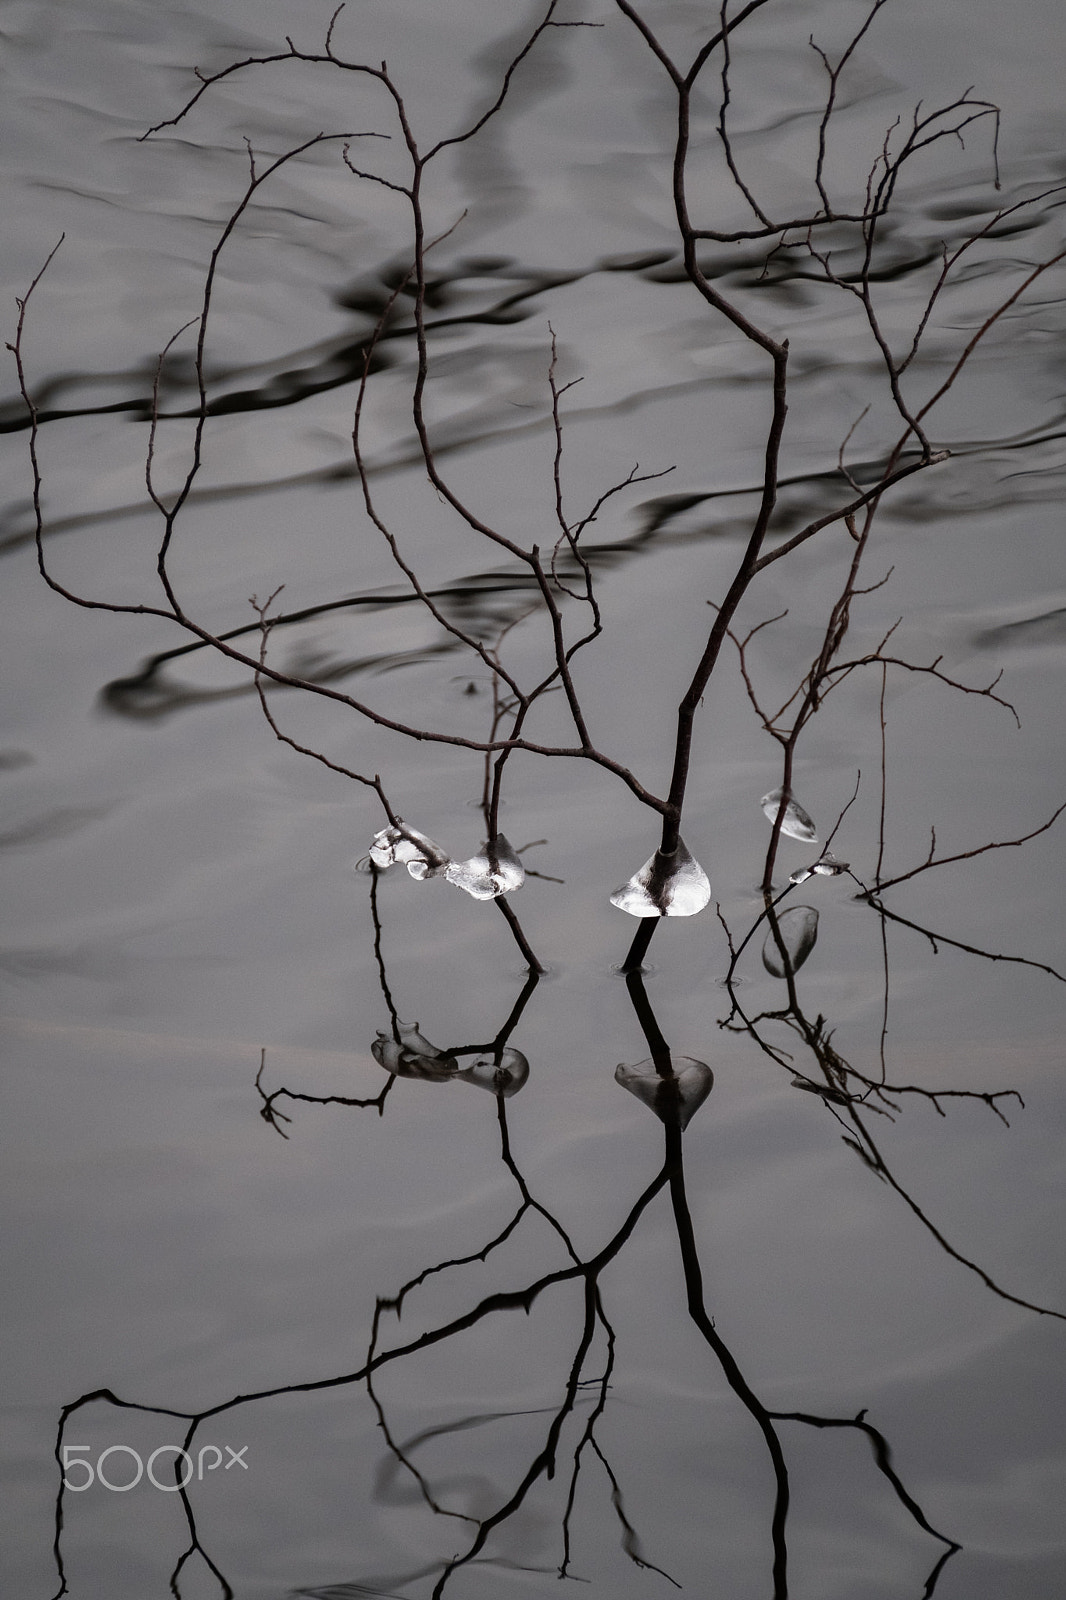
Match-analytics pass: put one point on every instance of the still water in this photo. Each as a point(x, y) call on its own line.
point(771, 1355)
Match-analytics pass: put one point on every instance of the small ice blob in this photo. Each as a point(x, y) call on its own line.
point(798, 928)
point(496, 871)
point(827, 866)
point(502, 1077)
point(419, 854)
point(795, 822)
point(412, 1055)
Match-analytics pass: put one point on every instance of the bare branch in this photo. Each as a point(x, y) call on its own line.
point(966, 855)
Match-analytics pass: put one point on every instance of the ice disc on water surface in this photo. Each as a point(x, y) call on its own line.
point(798, 928)
point(679, 1093)
point(795, 822)
point(503, 1077)
point(412, 1055)
point(666, 886)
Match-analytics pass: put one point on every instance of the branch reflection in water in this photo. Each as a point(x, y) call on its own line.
point(675, 1088)
point(907, 307)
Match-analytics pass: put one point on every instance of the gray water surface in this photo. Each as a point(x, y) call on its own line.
point(184, 913)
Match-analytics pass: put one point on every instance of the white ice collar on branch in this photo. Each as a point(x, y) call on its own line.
point(494, 872)
point(666, 886)
point(497, 870)
point(418, 853)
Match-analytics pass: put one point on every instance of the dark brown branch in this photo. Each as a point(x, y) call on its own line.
point(964, 855)
point(843, 513)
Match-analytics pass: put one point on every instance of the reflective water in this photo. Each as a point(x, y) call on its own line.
point(253, 1207)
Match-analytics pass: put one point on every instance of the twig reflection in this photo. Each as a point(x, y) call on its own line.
point(848, 1093)
point(595, 1343)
